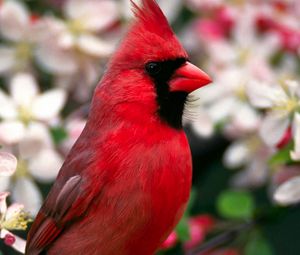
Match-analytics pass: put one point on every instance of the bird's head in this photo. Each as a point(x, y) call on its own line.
point(151, 61)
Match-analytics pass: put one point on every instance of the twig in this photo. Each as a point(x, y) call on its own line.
point(221, 239)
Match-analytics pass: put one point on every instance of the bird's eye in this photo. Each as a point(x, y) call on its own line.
point(153, 68)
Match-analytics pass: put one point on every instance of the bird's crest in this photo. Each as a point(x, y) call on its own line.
point(150, 37)
point(150, 16)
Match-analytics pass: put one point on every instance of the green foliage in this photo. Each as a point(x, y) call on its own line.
point(282, 156)
point(182, 229)
point(258, 245)
point(59, 134)
point(236, 204)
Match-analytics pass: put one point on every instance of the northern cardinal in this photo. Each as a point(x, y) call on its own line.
point(126, 181)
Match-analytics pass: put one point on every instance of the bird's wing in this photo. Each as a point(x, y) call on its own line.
point(61, 208)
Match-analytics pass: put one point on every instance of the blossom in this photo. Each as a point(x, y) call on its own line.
point(8, 164)
point(282, 101)
point(12, 218)
point(288, 193)
point(71, 49)
point(25, 116)
point(225, 102)
point(251, 156)
point(198, 226)
point(25, 106)
point(18, 30)
point(37, 160)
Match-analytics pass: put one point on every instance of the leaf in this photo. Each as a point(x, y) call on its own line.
point(190, 202)
point(236, 204)
point(182, 229)
point(258, 245)
point(282, 156)
point(59, 134)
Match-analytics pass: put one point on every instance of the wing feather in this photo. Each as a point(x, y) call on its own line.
point(51, 220)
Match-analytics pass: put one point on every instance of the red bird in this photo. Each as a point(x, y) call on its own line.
point(126, 182)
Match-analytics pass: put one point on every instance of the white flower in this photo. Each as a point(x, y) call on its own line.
point(8, 164)
point(25, 116)
point(66, 42)
point(12, 218)
point(289, 192)
point(281, 101)
point(16, 27)
point(25, 105)
point(295, 154)
point(38, 160)
point(226, 103)
point(251, 156)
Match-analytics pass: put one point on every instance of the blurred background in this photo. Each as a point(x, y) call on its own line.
point(244, 132)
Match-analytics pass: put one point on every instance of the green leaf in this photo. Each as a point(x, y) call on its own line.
point(282, 156)
point(182, 229)
point(258, 245)
point(190, 202)
point(236, 204)
point(59, 134)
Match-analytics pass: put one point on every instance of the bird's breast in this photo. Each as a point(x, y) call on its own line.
point(145, 186)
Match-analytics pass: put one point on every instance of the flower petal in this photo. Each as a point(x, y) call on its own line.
point(14, 19)
point(11, 132)
point(273, 128)
point(4, 183)
point(264, 96)
point(36, 138)
point(203, 125)
point(45, 165)
point(93, 15)
point(254, 175)
point(295, 154)
point(222, 109)
point(293, 87)
point(94, 46)
point(13, 211)
point(23, 89)
point(19, 244)
point(56, 60)
point(26, 192)
point(7, 60)
point(288, 192)
point(8, 164)
point(48, 105)
point(3, 205)
point(237, 155)
point(244, 120)
point(8, 108)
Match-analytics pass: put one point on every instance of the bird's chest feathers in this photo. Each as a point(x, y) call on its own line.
point(154, 173)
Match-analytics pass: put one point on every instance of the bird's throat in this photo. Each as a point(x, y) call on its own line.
point(170, 105)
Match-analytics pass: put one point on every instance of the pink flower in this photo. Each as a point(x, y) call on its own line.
point(170, 241)
point(199, 226)
point(287, 137)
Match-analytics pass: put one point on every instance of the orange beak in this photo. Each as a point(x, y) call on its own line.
point(189, 78)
